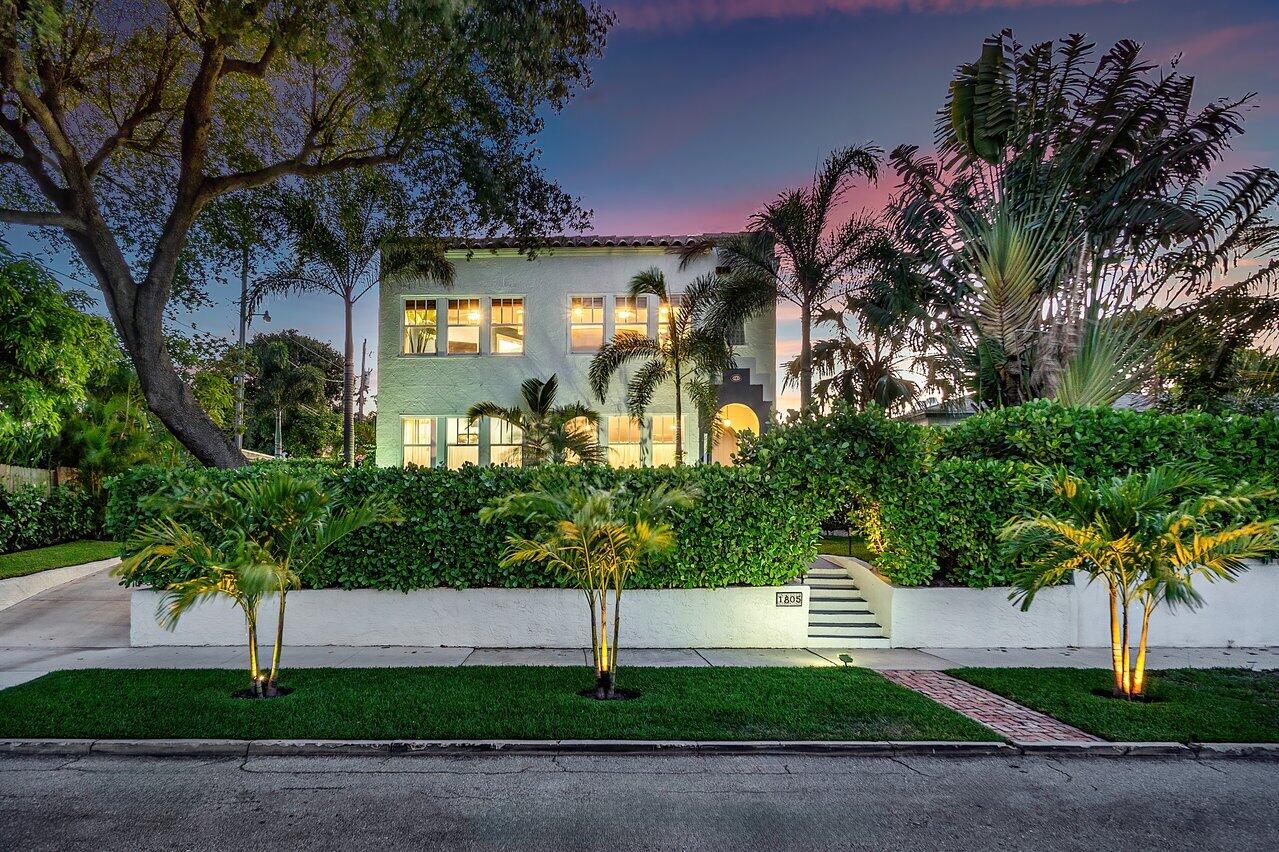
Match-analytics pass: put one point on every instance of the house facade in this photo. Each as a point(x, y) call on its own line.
point(507, 318)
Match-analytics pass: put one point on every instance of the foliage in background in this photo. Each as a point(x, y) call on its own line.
point(291, 393)
point(548, 432)
point(49, 350)
point(30, 517)
point(744, 529)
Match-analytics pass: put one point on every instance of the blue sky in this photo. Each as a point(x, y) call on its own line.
point(703, 110)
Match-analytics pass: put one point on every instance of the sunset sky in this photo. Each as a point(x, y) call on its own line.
point(702, 110)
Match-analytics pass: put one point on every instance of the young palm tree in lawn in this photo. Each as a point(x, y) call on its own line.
point(255, 537)
point(550, 432)
point(1147, 537)
point(346, 233)
point(598, 537)
point(818, 257)
point(691, 350)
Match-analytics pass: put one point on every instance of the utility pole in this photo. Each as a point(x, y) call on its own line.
point(364, 377)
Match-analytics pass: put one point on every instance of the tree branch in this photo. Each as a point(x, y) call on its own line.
point(42, 219)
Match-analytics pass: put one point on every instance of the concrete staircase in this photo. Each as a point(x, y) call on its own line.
point(838, 615)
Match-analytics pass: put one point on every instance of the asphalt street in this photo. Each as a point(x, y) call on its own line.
point(637, 802)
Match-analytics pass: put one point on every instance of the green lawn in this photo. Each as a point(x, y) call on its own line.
point(1196, 705)
point(58, 556)
point(481, 703)
point(839, 546)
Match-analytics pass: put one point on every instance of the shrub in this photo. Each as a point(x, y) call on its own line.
point(31, 517)
point(743, 530)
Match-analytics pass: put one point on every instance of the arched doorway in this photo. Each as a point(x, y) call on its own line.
point(734, 419)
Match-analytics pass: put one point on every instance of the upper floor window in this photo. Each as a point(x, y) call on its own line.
point(419, 327)
point(464, 327)
point(463, 441)
point(507, 319)
point(586, 323)
point(667, 312)
point(630, 315)
point(624, 441)
point(419, 441)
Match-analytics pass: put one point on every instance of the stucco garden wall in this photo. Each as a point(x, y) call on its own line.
point(1244, 613)
point(736, 617)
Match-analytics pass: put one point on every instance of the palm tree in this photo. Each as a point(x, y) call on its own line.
point(691, 350)
point(598, 537)
point(347, 234)
point(817, 257)
point(282, 384)
point(1064, 191)
point(549, 432)
point(252, 538)
point(862, 369)
point(1146, 536)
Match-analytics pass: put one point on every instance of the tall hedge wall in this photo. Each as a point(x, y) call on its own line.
point(742, 531)
point(931, 500)
point(33, 517)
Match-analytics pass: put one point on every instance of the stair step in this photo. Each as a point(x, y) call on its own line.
point(832, 584)
point(854, 607)
point(836, 599)
point(866, 619)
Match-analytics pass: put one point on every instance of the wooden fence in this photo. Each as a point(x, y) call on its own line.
point(13, 477)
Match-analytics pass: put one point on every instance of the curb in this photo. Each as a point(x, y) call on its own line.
point(385, 748)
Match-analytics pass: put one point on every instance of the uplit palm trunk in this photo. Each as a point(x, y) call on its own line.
point(1139, 669)
point(278, 649)
point(279, 432)
point(348, 390)
point(1116, 642)
point(255, 671)
point(679, 416)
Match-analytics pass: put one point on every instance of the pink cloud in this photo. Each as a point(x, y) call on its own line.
point(685, 14)
point(1239, 47)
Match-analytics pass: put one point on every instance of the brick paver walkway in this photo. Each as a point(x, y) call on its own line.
point(1017, 723)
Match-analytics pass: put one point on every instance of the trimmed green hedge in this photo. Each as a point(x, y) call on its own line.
point(743, 530)
point(930, 501)
point(30, 517)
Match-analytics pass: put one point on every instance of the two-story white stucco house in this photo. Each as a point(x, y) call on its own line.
point(507, 318)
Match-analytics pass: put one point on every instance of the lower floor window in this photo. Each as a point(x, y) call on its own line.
point(505, 443)
point(463, 442)
point(663, 437)
point(624, 441)
point(419, 441)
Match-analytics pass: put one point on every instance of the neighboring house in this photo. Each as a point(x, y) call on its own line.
point(507, 318)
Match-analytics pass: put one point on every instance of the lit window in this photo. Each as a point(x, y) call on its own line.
point(623, 441)
point(419, 327)
point(663, 436)
point(464, 327)
point(419, 441)
point(630, 316)
point(667, 312)
point(505, 441)
point(586, 323)
point(508, 326)
point(463, 442)
point(578, 424)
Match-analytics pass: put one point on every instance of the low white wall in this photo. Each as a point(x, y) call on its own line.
point(1243, 613)
point(14, 590)
point(737, 617)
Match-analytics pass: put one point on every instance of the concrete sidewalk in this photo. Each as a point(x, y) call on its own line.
point(85, 624)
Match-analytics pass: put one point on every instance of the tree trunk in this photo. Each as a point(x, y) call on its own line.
point(279, 432)
point(240, 377)
point(679, 417)
point(1139, 670)
point(255, 671)
point(278, 648)
point(1116, 652)
point(348, 389)
point(805, 355)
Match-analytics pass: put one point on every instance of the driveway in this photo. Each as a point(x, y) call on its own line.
point(637, 802)
point(92, 612)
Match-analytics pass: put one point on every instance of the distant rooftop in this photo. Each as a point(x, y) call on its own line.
point(594, 241)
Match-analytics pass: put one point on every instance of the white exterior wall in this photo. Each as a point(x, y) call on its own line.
point(737, 617)
point(1243, 613)
point(447, 385)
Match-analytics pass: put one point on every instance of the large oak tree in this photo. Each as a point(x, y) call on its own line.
point(120, 121)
